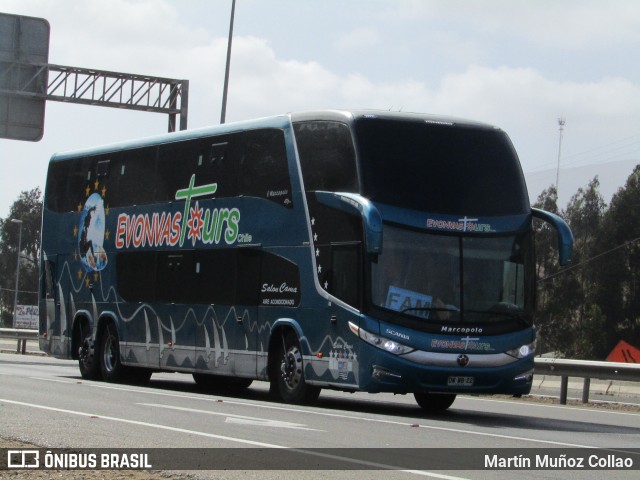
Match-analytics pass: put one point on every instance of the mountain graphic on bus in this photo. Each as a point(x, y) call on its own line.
point(91, 237)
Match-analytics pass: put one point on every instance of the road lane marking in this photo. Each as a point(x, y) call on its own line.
point(355, 417)
point(365, 463)
point(562, 407)
point(239, 419)
point(140, 423)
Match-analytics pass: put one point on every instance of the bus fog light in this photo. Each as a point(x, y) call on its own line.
point(379, 373)
point(526, 377)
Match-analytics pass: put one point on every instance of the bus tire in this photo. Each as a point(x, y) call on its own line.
point(288, 379)
point(434, 402)
point(112, 369)
point(87, 359)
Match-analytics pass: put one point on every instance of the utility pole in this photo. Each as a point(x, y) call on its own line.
point(226, 72)
point(561, 122)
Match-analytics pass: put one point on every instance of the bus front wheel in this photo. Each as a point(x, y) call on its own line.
point(434, 402)
point(288, 379)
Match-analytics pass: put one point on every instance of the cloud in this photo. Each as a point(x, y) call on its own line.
point(527, 104)
point(357, 39)
point(522, 101)
point(566, 25)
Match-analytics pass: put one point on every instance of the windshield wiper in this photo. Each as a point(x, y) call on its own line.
point(449, 310)
point(516, 315)
point(429, 309)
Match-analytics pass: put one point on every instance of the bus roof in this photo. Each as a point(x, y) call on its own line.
point(276, 121)
point(279, 121)
point(346, 115)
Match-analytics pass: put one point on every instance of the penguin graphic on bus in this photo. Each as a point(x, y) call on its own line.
point(91, 235)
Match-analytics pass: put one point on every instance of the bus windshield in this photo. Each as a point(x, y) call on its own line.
point(436, 167)
point(443, 280)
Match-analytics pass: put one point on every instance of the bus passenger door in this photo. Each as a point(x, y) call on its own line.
point(244, 334)
point(225, 336)
point(344, 281)
point(338, 239)
point(176, 289)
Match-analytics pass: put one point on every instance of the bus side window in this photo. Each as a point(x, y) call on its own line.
point(337, 240)
point(176, 282)
point(136, 178)
point(178, 162)
point(221, 167)
point(327, 156)
point(218, 153)
point(136, 276)
point(263, 166)
point(102, 168)
point(248, 272)
point(345, 281)
point(211, 277)
point(66, 184)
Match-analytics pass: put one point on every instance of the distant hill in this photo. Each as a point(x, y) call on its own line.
point(612, 176)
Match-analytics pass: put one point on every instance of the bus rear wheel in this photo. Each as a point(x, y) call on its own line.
point(87, 361)
point(112, 369)
point(288, 375)
point(434, 402)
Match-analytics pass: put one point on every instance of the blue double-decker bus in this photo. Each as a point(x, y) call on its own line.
point(351, 250)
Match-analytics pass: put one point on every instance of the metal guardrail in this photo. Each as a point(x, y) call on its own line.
point(21, 335)
point(561, 367)
point(585, 369)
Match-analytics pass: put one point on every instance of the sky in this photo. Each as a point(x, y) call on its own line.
point(517, 64)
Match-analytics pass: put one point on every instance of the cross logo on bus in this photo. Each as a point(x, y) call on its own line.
point(466, 220)
point(468, 339)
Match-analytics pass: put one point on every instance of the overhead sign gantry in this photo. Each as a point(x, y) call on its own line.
point(27, 81)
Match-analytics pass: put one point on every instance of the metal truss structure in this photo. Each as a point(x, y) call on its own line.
point(98, 87)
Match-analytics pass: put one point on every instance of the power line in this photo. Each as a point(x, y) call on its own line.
point(594, 149)
point(588, 260)
point(625, 150)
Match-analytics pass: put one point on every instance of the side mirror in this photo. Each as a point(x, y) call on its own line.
point(357, 204)
point(565, 237)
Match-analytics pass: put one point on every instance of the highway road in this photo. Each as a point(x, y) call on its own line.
point(45, 402)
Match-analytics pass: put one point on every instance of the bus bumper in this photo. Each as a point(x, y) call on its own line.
point(389, 373)
point(501, 366)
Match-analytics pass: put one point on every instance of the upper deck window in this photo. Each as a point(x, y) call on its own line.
point(440, 168)
point(251, 163)
point(327, 157)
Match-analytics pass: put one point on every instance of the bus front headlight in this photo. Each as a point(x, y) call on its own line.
point(523, 351)
point(382, 343)
point(395, 347)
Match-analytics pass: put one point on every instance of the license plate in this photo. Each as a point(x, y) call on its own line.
point(460, 381)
